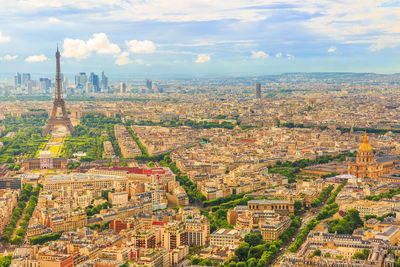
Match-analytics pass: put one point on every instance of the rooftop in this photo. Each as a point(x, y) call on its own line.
point(81, 177)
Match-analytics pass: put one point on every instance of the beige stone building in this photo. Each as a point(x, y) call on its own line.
point(285, 207)
point(366, 165)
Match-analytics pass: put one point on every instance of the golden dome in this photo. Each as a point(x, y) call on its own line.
point(365, 146)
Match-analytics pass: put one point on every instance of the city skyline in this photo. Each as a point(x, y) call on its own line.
point(199, 133)
point(200, 38)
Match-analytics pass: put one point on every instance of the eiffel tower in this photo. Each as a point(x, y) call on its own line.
point(58, 103)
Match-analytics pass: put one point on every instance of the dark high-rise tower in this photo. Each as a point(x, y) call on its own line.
point(94, 79)
point(258, 90)
point(58, 103)
point(17, 80)
point(149, 84)
point(104, 83)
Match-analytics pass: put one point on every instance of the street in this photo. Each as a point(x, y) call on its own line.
point(311, 214)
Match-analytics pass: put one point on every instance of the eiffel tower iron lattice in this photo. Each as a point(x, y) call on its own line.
point(58, 103)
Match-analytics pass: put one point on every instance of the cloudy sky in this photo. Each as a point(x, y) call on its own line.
point(200, 37)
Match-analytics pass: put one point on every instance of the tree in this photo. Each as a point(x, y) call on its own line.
point(354, 218)
point(347, 225)
point(361, 255)
point(284, 237)
point(104, 194)
point(5, 261)
point(256, 252)
point(204, 262)
point(252, 262)
point(20, 232)
point(45, 238)
point(327, 255)
point(195, 261)
point(17, 240)
point(17, 167)
point(316, 252)
point(370, 216)
point(253, 239)
point(297, 207)
point(296, 222)
point(242, 251)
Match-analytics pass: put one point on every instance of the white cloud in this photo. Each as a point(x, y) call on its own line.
point(201, 58)
point(37, 4)
point(259, 54)
point(376, 24)
point(370, 22)
point(4, 39)
point(384, 42)
point(198, 43)
point(139, 61)
point(76, 48)
point(8, 57)
point(102, 45)
point(141, 47)
point(289, 56)
point(36, 58)
point(332, 49)
point(123, 59)
point(278, 55)
point(172, 52)
point(53, 20)
point(159, 10)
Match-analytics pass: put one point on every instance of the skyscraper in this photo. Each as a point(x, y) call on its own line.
point(44, 84)
point(29, 87)
point(26, 77)
point(17, 80)
point(94, 79)
point(80, 80)
point(258, 90)
point(149, 85)
point(65, 84)
point(104, 82)
point(122, 87)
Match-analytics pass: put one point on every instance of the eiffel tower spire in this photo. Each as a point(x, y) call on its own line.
point(58, 103)
point(58, 92)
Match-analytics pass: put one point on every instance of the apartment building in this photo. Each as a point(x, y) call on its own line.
point(272, 229)
point(225, 238)
point(68, 221)
point(128, 146)
point(285, 207)
point(198, 230)
point(174, 235)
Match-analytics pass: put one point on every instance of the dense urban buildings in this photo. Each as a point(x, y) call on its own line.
point(176, 173)
point(199, 133)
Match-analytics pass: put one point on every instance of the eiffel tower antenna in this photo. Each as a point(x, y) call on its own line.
point(58, 103)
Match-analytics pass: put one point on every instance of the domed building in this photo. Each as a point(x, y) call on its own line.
point(366, 165)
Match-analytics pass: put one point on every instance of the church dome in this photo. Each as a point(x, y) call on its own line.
point(365, 146)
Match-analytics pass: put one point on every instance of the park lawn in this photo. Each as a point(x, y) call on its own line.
point(284, 170)
point(55, 150)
